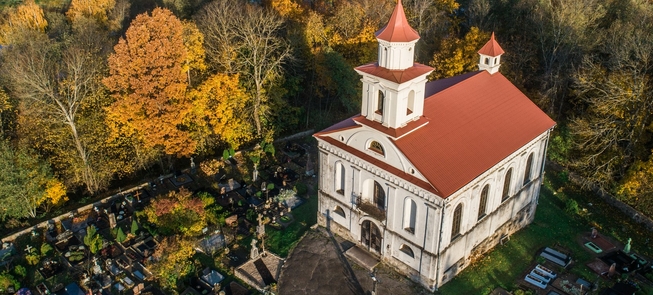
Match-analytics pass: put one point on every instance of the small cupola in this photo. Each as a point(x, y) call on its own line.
point(490, 56)
point(397, 41)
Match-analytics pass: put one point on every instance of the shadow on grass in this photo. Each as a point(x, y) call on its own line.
point(281, 241)
point(552, 226)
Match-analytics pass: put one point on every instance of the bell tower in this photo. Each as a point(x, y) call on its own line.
point(393, 87)
point(490, 56)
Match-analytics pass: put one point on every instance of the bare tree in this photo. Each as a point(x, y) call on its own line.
point(245, 39)
point(565, 29)
point(612, 132)
point(52, 80)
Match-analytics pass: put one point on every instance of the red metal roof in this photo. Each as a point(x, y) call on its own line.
point(474, 123)
point(397, 29)
point(491, 48)
point(397, 76)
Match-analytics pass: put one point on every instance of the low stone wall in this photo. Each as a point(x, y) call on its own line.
point(44, 224)
point(631, 212)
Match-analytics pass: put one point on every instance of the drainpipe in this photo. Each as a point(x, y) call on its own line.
point(437, 269)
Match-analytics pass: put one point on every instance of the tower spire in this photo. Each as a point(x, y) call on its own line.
point(397, 29)
point(490, 56)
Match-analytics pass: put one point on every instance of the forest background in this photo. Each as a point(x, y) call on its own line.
point(94, 93)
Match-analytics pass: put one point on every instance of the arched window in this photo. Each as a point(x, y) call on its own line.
point(410, 212)
point(410, 106)
point(487, 61)
point(529, 166)
point(455, 225)
point(482, 206)
point(375, 146)
point(379, 196)
point(340, 178)
point(379, 102)
point(407, 250)
point(506, 186)
point(338, 210)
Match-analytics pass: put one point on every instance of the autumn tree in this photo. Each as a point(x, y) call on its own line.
point(26, 17)
point(24, 182)
point(53, 80)
point(171, 261)
point(94, 9)
point(612, 129)
point(177, 213)
point(457, 56)
point(219, 112)
point(149, 82)
point(244, 39)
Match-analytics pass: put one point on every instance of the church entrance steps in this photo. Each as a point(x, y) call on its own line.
point(362, 257)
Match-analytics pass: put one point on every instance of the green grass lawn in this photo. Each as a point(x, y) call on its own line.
point(552, 225)
point(281, 241)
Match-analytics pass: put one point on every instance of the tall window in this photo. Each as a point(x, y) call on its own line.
point(410, 104)
point(379, 196)
point(375, 146)
point(340, 178)
point(482, 206)
point(410, 212)
point(379, 102)
point(455, 226)
point(527, 172)
point(506, 186)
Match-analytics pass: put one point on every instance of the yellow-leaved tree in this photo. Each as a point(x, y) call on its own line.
point(457, 56)
point(219, 110)
point(95, 9)
point(637, 187)
point(26, 17)
point(171, 261)
point(55, 194)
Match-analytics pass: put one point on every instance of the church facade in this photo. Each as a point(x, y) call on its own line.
point(430, 175)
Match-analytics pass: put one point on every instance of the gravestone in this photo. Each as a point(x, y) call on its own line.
point(112, 220)
point(595, 233)
point(627, 247)
point(254, 254)
point(193, 169)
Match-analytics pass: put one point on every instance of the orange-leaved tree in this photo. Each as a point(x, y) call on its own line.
point(148, 80)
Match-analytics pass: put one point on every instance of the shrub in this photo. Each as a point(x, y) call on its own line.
point(120, 235)
point(301, 189)
point(20, 271)
point(134, 229)
point(572, 206)
point(46, 249)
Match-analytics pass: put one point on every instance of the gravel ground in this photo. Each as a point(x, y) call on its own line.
point(317, 266)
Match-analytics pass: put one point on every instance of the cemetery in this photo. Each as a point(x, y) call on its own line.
point(115, 246)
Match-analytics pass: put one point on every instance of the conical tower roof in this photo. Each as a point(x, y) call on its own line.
point(397, 29)
point(491, 48)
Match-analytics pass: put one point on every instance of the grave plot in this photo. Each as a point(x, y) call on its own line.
point(49, 268)
point(138, 199)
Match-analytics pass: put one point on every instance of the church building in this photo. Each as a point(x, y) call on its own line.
point(430, 175)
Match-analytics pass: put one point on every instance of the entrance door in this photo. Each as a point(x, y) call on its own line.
point(371, 237)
